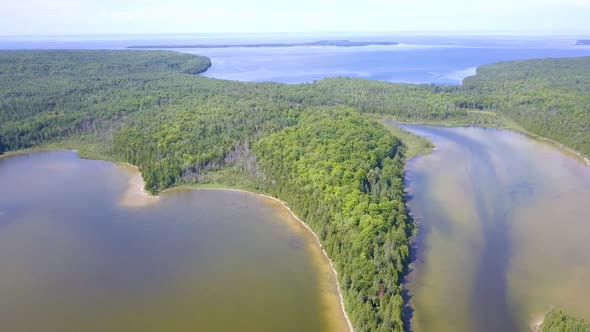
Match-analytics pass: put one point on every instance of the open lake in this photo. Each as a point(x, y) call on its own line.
point(504, 231)
point(435, 58)
point(81, 249)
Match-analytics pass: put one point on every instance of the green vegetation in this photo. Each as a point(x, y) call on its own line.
point(559, 321)
point(413, 145)
point(49, 95)
point(548, 97)
point(342, 173)
point(307, 144)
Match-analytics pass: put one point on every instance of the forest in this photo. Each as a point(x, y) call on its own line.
point(342, 173)
point(547, 97)
point(311, 145)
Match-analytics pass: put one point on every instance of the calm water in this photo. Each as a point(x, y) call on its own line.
point(418, 59)
point(504, 231)
point(74, 259)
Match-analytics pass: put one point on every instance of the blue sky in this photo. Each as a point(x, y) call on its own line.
point(46, 17)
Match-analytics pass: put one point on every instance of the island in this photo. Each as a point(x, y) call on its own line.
point(333, 43)
point(583, 42)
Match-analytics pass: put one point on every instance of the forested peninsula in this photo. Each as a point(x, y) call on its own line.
point(334, 43)
point(319, 147)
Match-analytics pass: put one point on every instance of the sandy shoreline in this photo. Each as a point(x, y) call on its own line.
point(317, 239)
point(137, 196)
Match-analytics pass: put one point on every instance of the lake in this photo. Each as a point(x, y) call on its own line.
point(441, 59)
point(504, 231)
point(82, 249)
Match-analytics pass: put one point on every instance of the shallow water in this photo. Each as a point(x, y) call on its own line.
point(504, 231)
point(75, 258)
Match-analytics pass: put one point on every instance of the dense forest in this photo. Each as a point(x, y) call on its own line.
point(308, 144)
point(342, 173)
point(547, 97)
point(559, 321)
point(54, 94)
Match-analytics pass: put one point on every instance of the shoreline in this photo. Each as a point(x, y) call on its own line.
point(137, 196)
point(521, 131)
point(283, 204)
point(301, 222)
point(8, 154)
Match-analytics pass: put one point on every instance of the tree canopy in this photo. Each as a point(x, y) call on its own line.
point(559, 321)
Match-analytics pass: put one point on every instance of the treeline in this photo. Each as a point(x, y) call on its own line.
point(48, 95)
point(559, 321)
point(548, 97)
point(342, 173)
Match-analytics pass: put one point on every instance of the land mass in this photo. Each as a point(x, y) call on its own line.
point(319, 147)
point(583, 42)
point(334, 43)
point(559, 321)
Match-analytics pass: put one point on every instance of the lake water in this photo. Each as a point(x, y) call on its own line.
point(418, 59)
point(504, 231)
point(78, 253)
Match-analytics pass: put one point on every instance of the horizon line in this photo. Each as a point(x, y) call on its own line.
point(406, 32)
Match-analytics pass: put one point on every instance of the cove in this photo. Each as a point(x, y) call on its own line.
point(504, 231)
point(81, 250)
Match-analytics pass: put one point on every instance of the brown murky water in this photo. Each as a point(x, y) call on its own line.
point(75, 255)
point(504, 231)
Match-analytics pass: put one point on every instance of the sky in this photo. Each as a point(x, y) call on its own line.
point(80, 17)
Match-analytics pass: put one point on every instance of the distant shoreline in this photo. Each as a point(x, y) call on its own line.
point(323, 43)
point(583, 42)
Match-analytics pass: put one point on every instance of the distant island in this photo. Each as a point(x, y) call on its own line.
point(337, 43)
point(583, 42)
